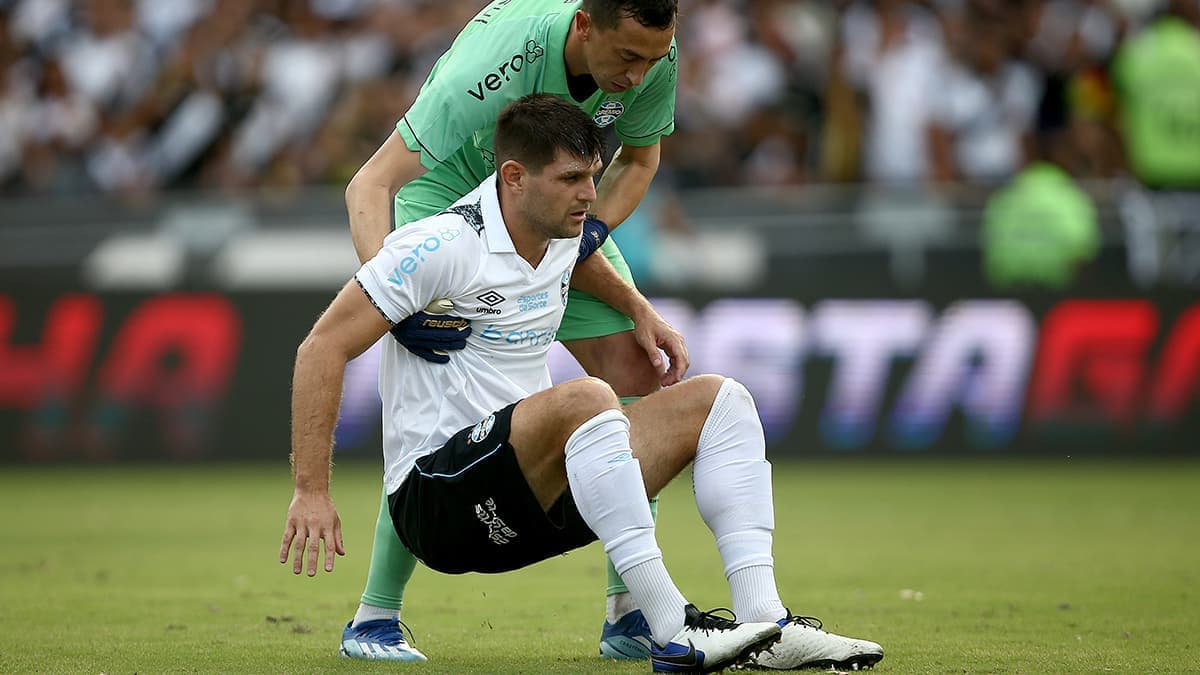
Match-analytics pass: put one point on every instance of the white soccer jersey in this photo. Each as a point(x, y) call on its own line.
point(464, 254)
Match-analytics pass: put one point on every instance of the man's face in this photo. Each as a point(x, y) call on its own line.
point(557, 199)
point(619, 58)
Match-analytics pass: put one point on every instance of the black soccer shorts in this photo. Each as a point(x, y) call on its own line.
point(468, 508)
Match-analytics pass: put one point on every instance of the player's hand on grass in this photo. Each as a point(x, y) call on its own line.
point(312, 522)
point(653, 333)
point(432, 334)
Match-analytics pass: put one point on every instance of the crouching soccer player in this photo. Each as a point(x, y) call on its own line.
point(489, 468)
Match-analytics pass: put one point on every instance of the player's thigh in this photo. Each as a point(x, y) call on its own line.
point(665, 427)
point(541, 425)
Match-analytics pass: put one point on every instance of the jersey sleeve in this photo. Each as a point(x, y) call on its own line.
point(420, 263)
point(652, 114)
point(483, 71)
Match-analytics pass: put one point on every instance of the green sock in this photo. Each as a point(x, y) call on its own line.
point(391, 564)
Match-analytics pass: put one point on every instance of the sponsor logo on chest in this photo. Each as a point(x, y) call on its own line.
point(419, 253)
point(504, 71)
point(533, 301)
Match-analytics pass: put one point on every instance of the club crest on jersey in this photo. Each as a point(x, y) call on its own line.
point(608, 113)
point(482, 429)
point(564, 286)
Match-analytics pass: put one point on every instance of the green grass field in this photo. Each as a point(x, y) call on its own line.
point(1032, 567)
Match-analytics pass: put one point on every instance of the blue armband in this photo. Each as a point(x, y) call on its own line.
point(595, 232)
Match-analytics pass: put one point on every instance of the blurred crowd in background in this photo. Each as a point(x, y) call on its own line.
point(135, 96)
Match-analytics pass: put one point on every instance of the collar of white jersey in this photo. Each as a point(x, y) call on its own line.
point(493, 220)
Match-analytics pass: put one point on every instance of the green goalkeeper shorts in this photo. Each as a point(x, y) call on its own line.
point(588, 317)
point(585, 316)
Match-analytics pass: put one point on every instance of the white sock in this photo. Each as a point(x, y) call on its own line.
point(606, 482)
point(618, 605)
point(660, 601)
point(731, 478)
point(373, 613)
point(755, 597)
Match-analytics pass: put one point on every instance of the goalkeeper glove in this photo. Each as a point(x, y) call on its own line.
point(430, 336)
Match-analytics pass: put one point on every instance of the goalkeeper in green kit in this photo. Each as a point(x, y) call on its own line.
point(616, 60)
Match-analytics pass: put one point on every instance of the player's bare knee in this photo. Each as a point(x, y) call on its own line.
point(709, 383)
point(702, 391)
point(587, 397)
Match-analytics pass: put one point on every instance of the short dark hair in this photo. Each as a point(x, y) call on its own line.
point(533, 128)
point(606, 14)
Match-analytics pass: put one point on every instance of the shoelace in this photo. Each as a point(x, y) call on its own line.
point(709, 621)
point(810, 621)
point(384, 631)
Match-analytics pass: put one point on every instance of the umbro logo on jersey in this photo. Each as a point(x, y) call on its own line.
point(608, 113)
point(490, 298)
point(504, 72)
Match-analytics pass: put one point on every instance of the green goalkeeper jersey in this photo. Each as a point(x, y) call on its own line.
point(510, 49)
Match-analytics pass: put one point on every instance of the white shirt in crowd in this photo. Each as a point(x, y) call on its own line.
point(989, 116)
point(464, 254)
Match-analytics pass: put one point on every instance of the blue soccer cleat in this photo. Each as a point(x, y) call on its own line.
point(710, 643)
point(379, 640)
point(627, 639)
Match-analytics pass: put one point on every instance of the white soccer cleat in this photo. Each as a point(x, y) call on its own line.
point(710, 643)
point(379, 640)
point(803, 644)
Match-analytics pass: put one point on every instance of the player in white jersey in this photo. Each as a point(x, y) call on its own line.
point(489, 468)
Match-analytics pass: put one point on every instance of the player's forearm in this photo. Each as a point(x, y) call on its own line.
point(370, 209)
point(370, 194)
point(597, 277)
point(316, 395)
point(624, 183)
